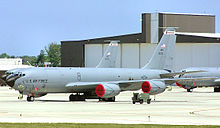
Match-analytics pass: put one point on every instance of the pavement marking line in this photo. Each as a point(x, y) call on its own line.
point(206, 110)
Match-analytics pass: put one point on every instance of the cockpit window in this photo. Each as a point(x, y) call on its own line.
point(20, 74)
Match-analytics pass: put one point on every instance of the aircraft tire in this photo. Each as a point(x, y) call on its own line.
point(76, 97)
point(141, 101)
point(112, 99)
point(148, 101)
point(189, 90)
point(216, 89)
point(72, 98)
point(30, 98)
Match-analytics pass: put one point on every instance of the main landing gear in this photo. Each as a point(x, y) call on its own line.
point(77, 97)
point(112, 99)
point(216, 89)
point(30, 98)
point(82, 97)
point(189, 90)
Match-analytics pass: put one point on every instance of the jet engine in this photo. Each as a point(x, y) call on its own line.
point(153, 87)
point(107, 90)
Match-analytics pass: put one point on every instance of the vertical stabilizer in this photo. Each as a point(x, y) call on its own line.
point(164, 53)
point(109, 58)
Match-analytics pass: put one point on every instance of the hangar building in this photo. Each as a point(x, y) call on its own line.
point(135, 49)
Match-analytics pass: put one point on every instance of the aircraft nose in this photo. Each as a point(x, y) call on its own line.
point(10, 79)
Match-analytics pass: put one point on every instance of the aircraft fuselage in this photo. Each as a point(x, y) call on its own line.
point(54, 80)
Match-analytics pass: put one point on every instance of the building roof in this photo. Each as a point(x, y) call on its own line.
point(146, 35)
point(177, 13)
point(209, 35)
point(129, 38)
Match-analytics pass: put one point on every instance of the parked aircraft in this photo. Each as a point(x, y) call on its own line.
point(102, 83)
point(5, 68)
point(107, 61)
point(110, 56)
point(213, 73)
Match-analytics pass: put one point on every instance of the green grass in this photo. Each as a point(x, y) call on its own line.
point(75, 125)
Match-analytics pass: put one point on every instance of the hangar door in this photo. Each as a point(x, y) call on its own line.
point(93, 54)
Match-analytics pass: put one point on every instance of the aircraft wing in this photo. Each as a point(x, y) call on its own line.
point(82, 86)
point(132, 85)
point(174, 80)
point(168, 75)
point(88, 86)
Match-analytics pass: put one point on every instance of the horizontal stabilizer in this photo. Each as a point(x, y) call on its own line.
point(168, 75)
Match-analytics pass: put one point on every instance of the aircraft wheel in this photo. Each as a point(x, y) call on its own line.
point(189, 90)
point(71, 97)
point(141, 101)
point(112, 99)
point(30, 98)
point(148, 101)
point(133, 102)
point(77, 97)
point(20, 96)
point(216, 89)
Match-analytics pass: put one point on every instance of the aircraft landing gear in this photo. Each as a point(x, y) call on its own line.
point(20, 97)
point(30, 98)
point(216, 89)
point(112, 99)
point(189, 90)
point(77, 97)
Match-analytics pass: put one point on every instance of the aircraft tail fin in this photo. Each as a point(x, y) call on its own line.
point(164, 53)
point(109, 58)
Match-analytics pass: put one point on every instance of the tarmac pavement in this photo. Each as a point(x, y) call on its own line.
point(201, 107)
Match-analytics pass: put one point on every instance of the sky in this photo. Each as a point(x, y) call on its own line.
point(27, 26)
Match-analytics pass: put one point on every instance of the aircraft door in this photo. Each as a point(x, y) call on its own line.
point(78, 76)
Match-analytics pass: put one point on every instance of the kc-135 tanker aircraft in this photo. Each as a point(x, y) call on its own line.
point(212, 72)
point(101, 82)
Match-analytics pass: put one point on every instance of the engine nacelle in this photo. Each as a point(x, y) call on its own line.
point(107, 90)
point(153, 87)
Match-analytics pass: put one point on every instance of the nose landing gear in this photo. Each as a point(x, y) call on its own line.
point(20, 97)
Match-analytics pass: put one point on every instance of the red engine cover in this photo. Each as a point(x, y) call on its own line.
point(100, 90)
point(146, 87)
point(179, 85)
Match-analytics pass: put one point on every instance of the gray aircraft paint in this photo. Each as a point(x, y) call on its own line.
point(211, 72)
point(109, 58)
point(163, 56)
point(39, 81)
point(58, 78)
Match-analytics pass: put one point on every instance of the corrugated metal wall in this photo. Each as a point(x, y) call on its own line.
point(136, 49)
point(137, 55)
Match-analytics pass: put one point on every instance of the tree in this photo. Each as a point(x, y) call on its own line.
point(41, 58)
point(4, 55)
point(29, 60)
point(54, 55)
